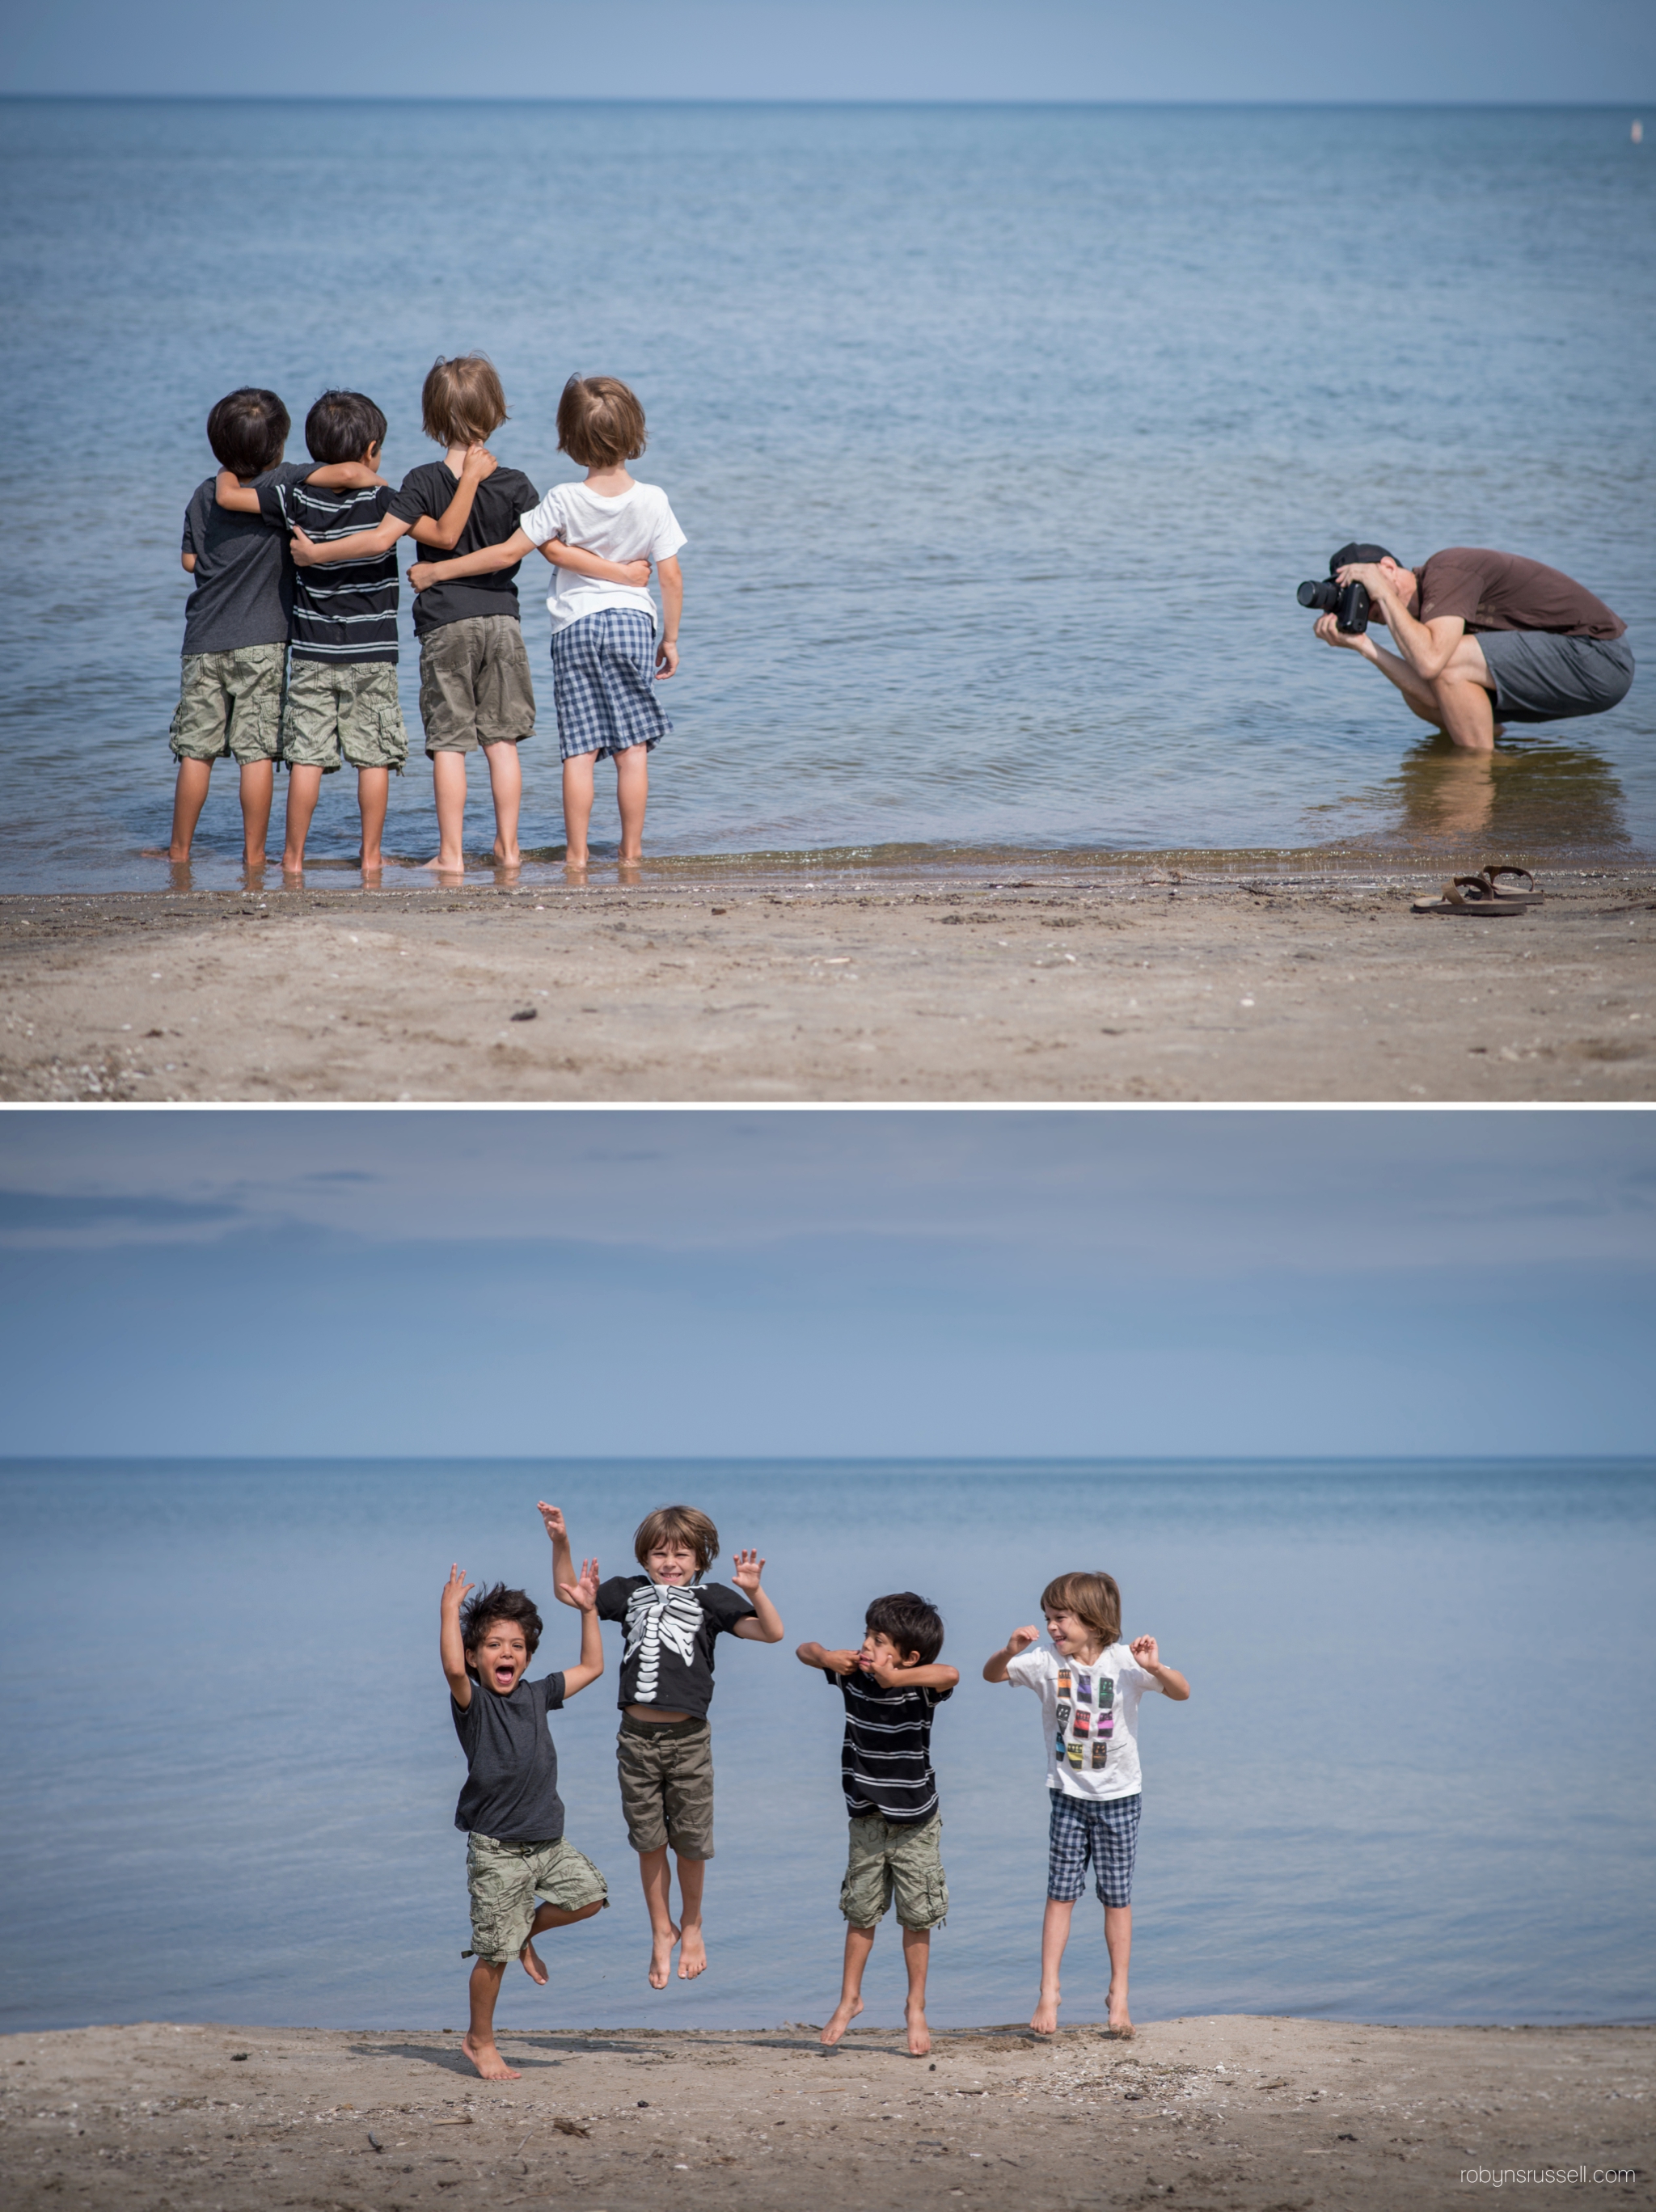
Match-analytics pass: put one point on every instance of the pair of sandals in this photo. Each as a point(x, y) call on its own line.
point(1485, 894)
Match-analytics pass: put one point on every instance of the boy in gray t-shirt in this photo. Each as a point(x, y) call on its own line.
point(235, 626)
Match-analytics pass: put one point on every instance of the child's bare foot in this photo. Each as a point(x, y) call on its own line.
point(532, 1964)
point(448, 864)
point(660, 1955)
point(576, 862)
point(692, 1958)
point(508, 856)
point(1044, 2019)
point(488, 2061)
point(839, 2019)
point(919, 2034)
point(1120, 2023)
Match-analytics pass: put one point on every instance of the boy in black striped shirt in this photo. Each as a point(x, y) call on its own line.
point(892, 1687)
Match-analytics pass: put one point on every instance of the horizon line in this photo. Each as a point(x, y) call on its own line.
point(801, 99)
point(828, 1459)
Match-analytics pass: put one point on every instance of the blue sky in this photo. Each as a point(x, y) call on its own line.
point(1090, 50)
point(828, 1283)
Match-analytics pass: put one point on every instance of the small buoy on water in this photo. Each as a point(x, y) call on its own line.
point(1638, 134)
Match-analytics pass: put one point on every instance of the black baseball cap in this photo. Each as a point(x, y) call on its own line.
point(1349, 556)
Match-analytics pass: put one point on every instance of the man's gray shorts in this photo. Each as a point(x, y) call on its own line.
point(1541, 677)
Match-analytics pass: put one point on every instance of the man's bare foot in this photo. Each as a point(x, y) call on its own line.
point(489, 2062)
point(532, 1964)
point(1044, 2019)
point(692, 1958)
point(919, 2034)
point(839, 2019)
point(660, 1955)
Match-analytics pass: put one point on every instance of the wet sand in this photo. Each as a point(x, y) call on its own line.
point(1253, 2115)
point(1060, 984)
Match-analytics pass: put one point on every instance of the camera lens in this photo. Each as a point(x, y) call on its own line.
point(1324, 595)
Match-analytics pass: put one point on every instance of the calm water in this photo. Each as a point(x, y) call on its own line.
point(1001, 436)
point(1414, 1782)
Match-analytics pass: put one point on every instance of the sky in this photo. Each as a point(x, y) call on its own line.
point(824, 1284)
point(1471, 51)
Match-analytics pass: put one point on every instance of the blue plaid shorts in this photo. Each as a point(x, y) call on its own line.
point(1102, 1829)
point(603, 684)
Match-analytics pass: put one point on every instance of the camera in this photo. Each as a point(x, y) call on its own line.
point(1348, 604)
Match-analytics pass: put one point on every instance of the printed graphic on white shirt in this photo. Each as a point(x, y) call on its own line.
point(1091, 1716)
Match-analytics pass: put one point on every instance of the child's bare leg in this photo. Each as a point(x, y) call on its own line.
point(505, 784)
point(1055, 1934)
point(858, 1941)
point(257, 790)
point(479, 2040)
point(449, 789)
point(692, 1958)
point(1119, 1940)
point(631, 792)
point(372, 796)
point(551, 1916)
point(304, 788)
point(916, 1957)
point(189, 797)
point(577, 808)
point(652, 1872)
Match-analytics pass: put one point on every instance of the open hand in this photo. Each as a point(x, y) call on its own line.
point(419, 576)
point(745, 1570)
point(583, 1592)
point(454, 1588)
point(1143, 1649)
point(552, 1519)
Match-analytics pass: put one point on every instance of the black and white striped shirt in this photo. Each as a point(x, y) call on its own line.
point(346, 610)
point(886, 1764)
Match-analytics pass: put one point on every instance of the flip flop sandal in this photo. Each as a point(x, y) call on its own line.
point(1482, 894)
point(1531, 895)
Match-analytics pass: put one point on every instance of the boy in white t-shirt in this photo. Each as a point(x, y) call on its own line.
point(1089, 1684)
point(607, 653)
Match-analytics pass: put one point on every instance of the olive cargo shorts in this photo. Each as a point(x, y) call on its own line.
point(348, 706)
point(475, 687)
point(230, 702)
point(504, 1881)
point(666, 1785)
point(902, 1858)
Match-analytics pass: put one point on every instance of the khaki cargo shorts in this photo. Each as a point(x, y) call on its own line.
point(230, 702)
point(666, 1785)
point(474, 685)
point(504, 1881)
point(900, 1858)
point(351, 708)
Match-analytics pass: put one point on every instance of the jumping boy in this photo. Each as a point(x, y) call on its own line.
point(509, 1807)
point(475, 687)
point(237, 622)
point(1089, 1684)
point(606, 653)
point(892, 1687)
point(664, 1751)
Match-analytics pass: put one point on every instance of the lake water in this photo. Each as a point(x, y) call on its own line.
point(1003, 437)
point(1413, 1783)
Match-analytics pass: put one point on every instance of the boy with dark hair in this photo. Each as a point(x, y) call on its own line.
point(475, 687)
point(236, 622)
point(1089, 1684)
point(510, 1808)
point(664, 1751)
point(609, 646)
point(892, 1687)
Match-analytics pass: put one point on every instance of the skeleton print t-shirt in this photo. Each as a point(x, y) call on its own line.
point(667, 1659)
point(1091, 1714)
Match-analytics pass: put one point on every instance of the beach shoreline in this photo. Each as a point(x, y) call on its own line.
point(1251, 2113)
point(1059, 983)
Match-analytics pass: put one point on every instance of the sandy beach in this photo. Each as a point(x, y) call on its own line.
point(1251, 2114)
point(1067, 985)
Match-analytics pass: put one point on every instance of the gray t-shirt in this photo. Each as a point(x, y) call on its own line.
point(511, 1783)
point(243, 572)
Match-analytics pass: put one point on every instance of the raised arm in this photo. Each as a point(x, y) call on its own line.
point(448, 1642)
point(912, 1678)
point(830, 1663)
point(764, 1624)
point(995, 1667)
point(564, 1573)
point(582, 1592)
point(1168, 1679)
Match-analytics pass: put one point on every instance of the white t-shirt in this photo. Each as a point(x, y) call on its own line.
point(636, 525)
point(1091, 1718)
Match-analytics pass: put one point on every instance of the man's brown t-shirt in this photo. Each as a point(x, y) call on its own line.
point(1503, 591)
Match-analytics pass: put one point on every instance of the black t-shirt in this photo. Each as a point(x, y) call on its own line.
point(511, 1783)
point(243, 574)
point(885, 1763)
point(500, 500)
point(347, 610)
point(669, 1657)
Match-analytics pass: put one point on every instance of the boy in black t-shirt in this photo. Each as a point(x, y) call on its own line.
point(509, 1807)
point(892, 1687)
point(663, 1752)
